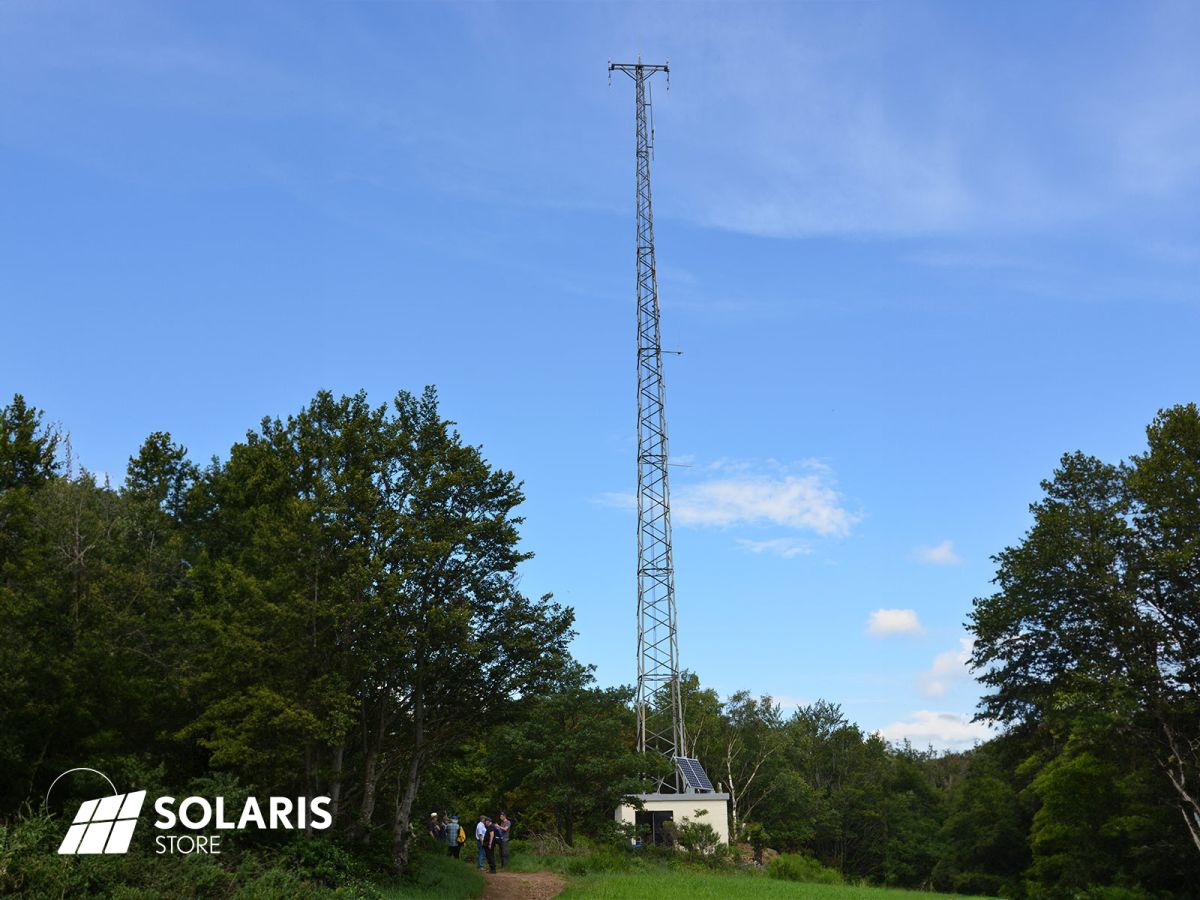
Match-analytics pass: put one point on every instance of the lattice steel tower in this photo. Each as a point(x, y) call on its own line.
point(659, 709)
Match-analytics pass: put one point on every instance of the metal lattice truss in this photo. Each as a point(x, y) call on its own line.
point(659, 710)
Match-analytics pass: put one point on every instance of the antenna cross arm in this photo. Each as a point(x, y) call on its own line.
point(631, 69)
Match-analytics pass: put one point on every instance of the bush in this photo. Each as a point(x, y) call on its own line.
point(1112, 893)
point(794, 867)
point(616, 834)
point(323, 860)
point(277, 883)
point(757, 837)
point(30, 866)
point(980, 883)
point(699, 843)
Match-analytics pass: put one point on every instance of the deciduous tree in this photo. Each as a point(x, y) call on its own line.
point(1098, 608)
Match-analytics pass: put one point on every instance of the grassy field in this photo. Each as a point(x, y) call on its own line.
point(604, 874)
point(715, 886)
point(449, 879)
point(438, 876)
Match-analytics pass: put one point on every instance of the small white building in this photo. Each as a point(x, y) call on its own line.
point(709, 808)
point(695, 801)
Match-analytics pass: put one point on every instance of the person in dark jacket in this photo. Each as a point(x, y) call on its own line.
point(434, 827)
point(489, 844)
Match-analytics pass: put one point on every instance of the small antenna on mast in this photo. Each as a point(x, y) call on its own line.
point(650, 110)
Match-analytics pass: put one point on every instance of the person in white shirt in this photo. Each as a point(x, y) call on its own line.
point(480, 834)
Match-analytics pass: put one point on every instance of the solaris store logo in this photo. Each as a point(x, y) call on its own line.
point(106, 824)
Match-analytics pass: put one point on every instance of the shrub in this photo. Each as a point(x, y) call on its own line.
point(700, 843)
point(757, 837)
point(277, 883)
point(616, 834)
point(322, 859)
point(980, 883)
point(794, 867)
point(1112, 893)
point(30, 866)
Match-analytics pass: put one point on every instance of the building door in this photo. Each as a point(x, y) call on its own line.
point(650, 827)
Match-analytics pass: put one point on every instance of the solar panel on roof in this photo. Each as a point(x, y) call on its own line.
point(693, 773)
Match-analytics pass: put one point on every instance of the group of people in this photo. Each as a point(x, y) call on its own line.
point(490, 838)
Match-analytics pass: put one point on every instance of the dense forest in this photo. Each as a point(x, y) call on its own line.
point(334, 609)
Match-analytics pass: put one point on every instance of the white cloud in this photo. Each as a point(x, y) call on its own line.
point(884, 622)
point(948, 668)
point(616, 500)
point(859, 151)
point(944, 730)
point(785, 547)
point(807, 502)
point(794, 497)
point(941, 555)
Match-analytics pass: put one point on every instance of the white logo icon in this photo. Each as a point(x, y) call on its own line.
point(104, 825)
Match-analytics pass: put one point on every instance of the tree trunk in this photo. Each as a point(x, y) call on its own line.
point(370, 784)
point(401, 832)
point(335, 783)
point(749, 800)
point(733, 794)
point(1176, 769)
point(371, 772)
point(408, 796)
point(309, 786)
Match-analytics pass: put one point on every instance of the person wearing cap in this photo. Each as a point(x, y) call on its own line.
point(434, 826)
point(450, 835)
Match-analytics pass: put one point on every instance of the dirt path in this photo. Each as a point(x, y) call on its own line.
point(522, 886)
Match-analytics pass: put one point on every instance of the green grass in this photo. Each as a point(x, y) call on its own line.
point(598, 872)
point(719, 886)
point(438, 876)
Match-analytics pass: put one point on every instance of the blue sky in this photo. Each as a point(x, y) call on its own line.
point(912, 253)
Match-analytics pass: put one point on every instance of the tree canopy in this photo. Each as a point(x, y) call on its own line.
point(1098, 609)
point(334, 609)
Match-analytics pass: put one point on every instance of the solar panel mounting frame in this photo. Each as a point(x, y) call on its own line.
point(693, 774)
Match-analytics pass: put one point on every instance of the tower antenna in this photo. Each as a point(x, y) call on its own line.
point(659, 705)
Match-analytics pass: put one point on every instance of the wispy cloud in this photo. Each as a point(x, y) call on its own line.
point(941, 555)
point(616, 500)
point(759, 495)
point(785, 547)
point(886, 622)
point(944, 148)
point(949, 667)
point(804, 502)
point(944, 730)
